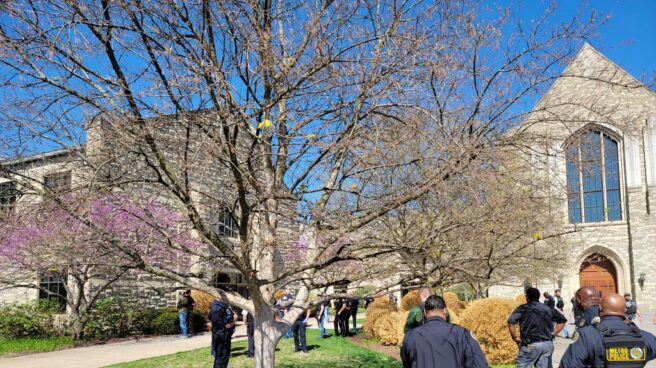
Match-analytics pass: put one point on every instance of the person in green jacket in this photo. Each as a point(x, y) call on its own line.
point(416, 314)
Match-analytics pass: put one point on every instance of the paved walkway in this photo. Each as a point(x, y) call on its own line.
point(107, 354)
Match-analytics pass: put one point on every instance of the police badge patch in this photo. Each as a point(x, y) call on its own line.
point(575, 337)
point(582, 322)
point(637, 353)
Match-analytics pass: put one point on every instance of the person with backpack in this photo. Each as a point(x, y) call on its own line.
point(223, 326)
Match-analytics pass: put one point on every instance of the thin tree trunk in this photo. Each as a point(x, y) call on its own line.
point(77, 327)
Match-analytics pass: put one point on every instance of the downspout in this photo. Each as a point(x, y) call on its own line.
point(628, 222)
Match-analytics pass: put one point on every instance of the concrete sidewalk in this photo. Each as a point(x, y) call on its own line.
point(113, 353)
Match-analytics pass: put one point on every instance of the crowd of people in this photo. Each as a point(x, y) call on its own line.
point(604, 335)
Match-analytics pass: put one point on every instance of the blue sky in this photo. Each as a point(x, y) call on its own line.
point(628, 38)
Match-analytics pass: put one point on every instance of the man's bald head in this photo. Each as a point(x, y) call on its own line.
point(587, 296)
point(612, 305)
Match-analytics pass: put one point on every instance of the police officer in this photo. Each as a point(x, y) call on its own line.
point(343, 314)
point(612, 342)
point(587, 298)
point(223, 325)
point(536, 330)
point(632, 311)
point(438, 343)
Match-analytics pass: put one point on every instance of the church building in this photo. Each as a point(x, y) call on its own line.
point(595, 144)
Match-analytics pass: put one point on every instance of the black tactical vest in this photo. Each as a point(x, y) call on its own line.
point(623, 348)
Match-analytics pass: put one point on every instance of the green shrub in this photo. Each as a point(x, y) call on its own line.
point(167, 322)
point(110, 319)
point(364, 290)
point(28, 320)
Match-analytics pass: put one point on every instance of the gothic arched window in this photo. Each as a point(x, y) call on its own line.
point(593, 178)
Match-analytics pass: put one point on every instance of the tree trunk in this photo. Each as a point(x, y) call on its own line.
point(267, 333)
point(77, 327)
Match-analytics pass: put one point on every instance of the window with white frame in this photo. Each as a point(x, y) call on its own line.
point(593, 178)
point(227, 225)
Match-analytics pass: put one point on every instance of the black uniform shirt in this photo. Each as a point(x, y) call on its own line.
point(437, 343)
point(588, 316)
point(587, 349)
point(535, 321)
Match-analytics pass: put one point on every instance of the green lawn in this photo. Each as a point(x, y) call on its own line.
point(333, 352)
point(34, 345)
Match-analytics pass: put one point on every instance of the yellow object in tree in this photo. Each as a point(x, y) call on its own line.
point(265, 124)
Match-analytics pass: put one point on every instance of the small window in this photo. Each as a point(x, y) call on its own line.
point(227, 225)
point(8, 197)
point(52, 288)
point(57, 183)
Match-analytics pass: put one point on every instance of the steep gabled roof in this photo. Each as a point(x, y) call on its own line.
point(590, 63)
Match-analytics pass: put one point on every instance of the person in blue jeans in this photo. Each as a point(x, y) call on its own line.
point(323, 316)
point(538, 325)
point(298, 329)
point(185, 307)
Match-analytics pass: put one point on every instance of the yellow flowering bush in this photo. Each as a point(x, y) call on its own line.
point(389, 328)
point(453, 303)
point(379, 307)
point(487, 319)
point(410, 300)
point(203, 301)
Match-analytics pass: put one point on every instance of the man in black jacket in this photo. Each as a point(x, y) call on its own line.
point(438, 343)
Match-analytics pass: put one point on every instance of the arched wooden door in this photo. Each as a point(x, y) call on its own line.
point(598, 272)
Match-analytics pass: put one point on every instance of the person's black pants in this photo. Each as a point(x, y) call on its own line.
point(250, 332)
point(344, 324)
point(336, 324)
point(298, 329)
point(222, 352)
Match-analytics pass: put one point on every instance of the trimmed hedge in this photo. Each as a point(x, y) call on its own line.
point(379, 307)
point(487, 319)
point(453, 303)
point(410, 300)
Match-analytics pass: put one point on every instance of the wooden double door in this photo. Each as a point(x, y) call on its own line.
point(598, 272)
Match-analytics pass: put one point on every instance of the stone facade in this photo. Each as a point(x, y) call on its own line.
point(594, 94)
point(112, 155)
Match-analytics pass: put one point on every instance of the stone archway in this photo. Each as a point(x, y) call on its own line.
point(598, 271)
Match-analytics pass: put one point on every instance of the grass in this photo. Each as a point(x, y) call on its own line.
point(333, 352)
point(34, 345)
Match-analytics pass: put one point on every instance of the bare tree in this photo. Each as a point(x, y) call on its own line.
point(274, 111)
